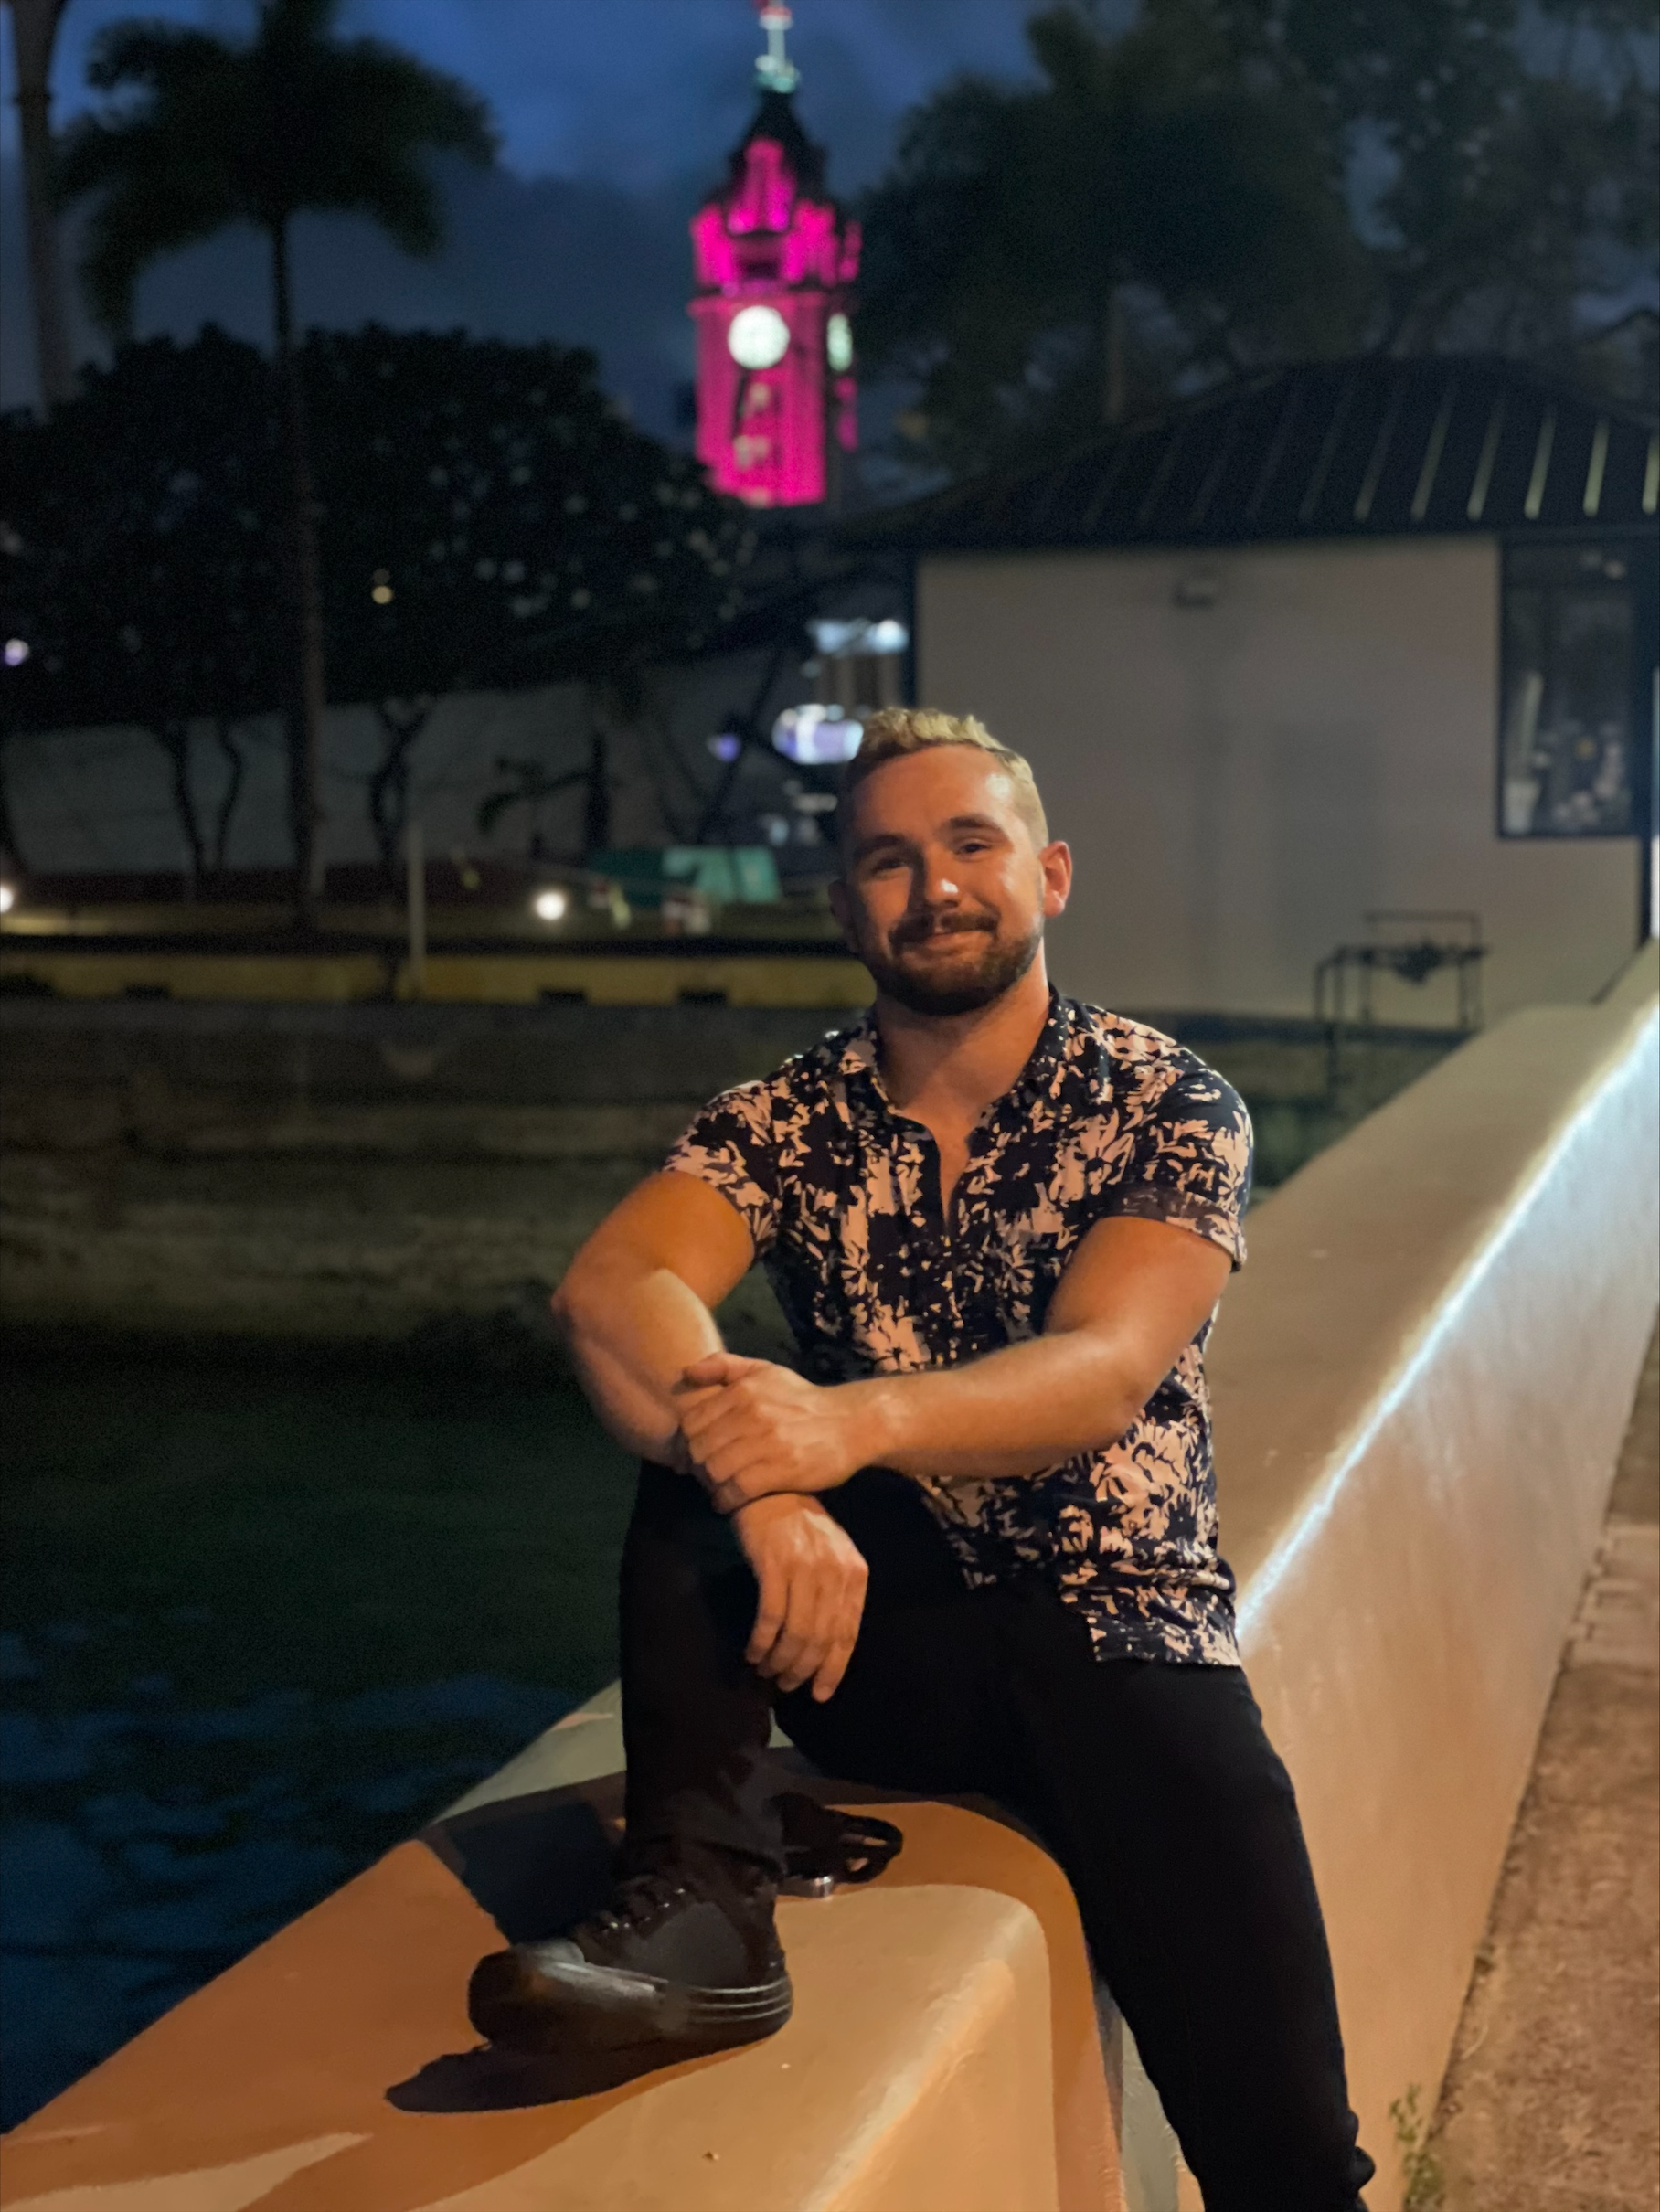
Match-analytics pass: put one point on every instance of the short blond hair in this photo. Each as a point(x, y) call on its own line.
point(898, 731)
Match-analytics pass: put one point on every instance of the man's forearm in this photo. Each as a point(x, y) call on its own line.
point(1014, 1412)
point(1133, 1297)
point(631, 1337)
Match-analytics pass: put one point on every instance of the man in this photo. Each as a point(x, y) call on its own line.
point(971, 1548)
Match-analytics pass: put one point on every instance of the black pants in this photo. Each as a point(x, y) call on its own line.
point(1153, 1785)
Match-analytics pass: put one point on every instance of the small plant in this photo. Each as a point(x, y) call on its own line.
point(1423, 2182)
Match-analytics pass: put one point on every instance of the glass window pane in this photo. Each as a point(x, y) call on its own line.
point(1566, 735)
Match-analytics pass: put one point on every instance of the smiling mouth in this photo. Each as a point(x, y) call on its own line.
point(914, 940)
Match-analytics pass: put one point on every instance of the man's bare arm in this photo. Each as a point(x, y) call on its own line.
point(635, 1309)
point(636, 1306)
point(1135, 1295)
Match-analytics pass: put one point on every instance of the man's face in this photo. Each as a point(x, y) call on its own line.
point(944, 892)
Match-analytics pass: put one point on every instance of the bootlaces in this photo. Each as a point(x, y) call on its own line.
point(825, 1846)
point(638, 1901)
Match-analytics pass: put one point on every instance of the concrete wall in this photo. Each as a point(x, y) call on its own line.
point(1242, 780)
point(1421, 1382)
point(361, 1172)
point(344, 1174)
point(97, 799)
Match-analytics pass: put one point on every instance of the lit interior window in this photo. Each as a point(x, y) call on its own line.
point(816, 737)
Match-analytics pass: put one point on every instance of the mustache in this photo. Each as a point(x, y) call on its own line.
point(917, 928)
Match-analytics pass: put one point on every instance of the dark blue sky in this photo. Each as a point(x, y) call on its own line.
point(634, 91)
point(613, 115)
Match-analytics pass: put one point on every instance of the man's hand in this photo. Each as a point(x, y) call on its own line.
point(812, 1577)
point(753, 1430)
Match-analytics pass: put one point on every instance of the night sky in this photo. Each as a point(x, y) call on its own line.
point(614, 117)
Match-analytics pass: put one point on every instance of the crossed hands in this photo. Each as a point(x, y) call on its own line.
point(761, 1439)
point(752, 1430)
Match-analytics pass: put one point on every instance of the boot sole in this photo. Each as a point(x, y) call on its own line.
point(573, 2007)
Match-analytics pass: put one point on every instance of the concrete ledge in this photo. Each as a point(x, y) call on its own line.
point(943, 2056)
point(1421, 1385)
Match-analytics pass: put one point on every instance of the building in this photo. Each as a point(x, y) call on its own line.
point(1353, 654)
point(774, 258)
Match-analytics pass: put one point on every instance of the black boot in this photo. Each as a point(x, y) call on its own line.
point(683, 1954)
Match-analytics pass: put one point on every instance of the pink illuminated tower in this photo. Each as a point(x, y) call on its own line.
point(774, 258)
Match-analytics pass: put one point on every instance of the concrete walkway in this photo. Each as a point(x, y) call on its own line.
point(1552, 2100)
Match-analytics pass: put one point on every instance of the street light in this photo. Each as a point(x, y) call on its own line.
point(551, 905)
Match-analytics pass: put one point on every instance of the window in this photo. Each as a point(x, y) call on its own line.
point(1569, 767)
point(860, 663)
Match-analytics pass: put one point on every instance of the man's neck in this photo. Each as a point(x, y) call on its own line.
point(954, 1064)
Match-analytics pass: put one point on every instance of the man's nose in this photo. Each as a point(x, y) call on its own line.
point(936, 885)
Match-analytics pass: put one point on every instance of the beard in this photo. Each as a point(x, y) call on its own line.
point(972, 982)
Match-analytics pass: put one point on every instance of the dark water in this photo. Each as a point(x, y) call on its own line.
point(257, 1624)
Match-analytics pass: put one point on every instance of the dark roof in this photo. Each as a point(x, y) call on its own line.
point(775, 118)
point(1326, 449)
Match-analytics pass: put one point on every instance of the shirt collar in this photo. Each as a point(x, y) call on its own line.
point(860, 1056)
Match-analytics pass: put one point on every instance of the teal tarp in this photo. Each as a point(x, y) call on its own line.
point(727, 875)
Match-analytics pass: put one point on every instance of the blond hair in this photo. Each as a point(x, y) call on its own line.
point(898, 731)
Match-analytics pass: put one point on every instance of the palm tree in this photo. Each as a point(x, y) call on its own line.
point(34, 29)
point(203, 133)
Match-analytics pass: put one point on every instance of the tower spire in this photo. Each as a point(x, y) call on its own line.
point(776, 260)
point(775, 71)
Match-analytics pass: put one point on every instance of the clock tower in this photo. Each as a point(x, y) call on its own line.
point(774, 258)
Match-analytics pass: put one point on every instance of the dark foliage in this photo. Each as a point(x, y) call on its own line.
point(1232, 183)
point(486, 517)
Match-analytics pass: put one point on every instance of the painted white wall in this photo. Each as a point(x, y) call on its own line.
point(1241, 781)
point(98, 799)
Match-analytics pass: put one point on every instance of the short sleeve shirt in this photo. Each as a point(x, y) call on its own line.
point(841, 1194)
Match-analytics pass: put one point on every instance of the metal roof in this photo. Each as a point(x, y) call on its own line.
point(1325, 449)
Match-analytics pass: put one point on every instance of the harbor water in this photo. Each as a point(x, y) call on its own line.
point(259, 1620)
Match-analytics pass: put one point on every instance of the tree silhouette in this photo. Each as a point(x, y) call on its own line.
point(201, 133)
point(140, 559)
point(1509, 154)
point(492, 519)
point(1044, 256)
point(1228, 182)
point(486, 518)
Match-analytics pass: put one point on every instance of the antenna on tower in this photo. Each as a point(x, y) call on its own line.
point(775, 71)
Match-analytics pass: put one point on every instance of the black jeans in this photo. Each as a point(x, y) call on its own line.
point(1153, 1785)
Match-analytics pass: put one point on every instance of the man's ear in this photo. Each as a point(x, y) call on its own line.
point(1055, 861)
point(841, 906)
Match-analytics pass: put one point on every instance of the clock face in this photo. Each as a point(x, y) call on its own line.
point(759, 338)
point(838, 344)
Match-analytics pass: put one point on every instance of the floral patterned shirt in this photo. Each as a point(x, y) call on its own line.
point(841, 1194)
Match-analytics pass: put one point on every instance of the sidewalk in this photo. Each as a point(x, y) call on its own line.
point(1552, 2100)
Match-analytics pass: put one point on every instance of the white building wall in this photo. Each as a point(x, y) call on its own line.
point(1241, 780)
point(99, 800)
